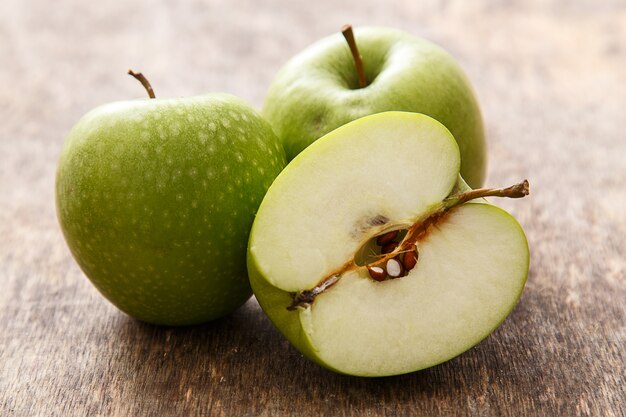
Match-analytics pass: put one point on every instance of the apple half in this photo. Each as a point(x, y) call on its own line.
point(322, 269)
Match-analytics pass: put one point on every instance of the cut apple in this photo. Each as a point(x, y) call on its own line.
point(372, 256)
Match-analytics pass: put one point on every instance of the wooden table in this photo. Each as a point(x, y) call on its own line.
point(551, 78)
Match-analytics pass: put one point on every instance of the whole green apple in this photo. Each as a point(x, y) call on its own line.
point(318, 90)
point(156, 199)
point(373, 258)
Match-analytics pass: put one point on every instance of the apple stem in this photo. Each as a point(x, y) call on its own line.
point(348, 34)
point(420, 227)
point(144, 81)
point(519, 190)
point(409, 243)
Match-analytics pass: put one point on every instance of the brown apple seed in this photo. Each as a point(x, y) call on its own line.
point(389, 247)
point(410, 259)
point(387, 237)
point(377, 273)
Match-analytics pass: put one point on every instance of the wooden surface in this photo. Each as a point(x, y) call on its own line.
point(551, 78)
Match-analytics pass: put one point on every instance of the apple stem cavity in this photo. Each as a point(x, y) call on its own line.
point(144, 81)
point(348, 34)
point(397, 262)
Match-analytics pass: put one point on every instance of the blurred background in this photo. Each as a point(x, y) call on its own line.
point(543, 66)
point(551, 79)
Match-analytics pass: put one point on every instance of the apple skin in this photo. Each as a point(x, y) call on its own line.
point(317, 91)
point(156, 198)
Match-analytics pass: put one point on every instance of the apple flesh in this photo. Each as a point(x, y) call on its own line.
point(318, 91)
point(156, 199)
point(310, 255)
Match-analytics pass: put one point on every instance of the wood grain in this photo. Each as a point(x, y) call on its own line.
point(551, 80)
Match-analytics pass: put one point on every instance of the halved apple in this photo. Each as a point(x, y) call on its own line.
point(372, 256)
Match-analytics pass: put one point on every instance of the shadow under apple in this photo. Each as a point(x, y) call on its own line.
point(241, 362)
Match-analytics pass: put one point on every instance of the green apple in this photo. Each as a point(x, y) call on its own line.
point(156, 199)
point(318, 90)
point(372, 257)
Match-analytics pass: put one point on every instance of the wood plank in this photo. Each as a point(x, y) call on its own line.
point(550, 77)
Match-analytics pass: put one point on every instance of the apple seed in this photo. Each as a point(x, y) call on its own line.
point(410, 259)
point(389, 247)
point(387, 237)
point(377, 273)
point(394, 268)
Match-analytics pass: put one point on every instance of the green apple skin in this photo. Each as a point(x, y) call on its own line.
point(156, 198)
point(292, 324)
point(317, 91)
